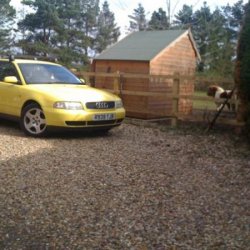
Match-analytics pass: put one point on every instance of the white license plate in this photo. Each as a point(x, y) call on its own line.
point(104, 117)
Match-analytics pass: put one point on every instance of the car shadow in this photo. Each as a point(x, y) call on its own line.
point(12, 128)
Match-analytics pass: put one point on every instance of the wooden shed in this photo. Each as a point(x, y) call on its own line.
point(156, 53)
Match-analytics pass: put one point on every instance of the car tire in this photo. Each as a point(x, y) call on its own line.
point(33, 121)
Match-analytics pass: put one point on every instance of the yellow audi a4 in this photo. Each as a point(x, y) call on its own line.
point(44, 95)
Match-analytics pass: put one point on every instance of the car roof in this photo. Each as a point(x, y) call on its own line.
point(29, 61)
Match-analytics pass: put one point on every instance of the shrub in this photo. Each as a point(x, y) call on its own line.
point(242, 70)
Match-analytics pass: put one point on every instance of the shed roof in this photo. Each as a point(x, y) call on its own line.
point(142, 45)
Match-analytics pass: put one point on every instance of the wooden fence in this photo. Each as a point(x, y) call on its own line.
point(175, 96)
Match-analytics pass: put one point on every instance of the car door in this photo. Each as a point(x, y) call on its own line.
point(9, 92)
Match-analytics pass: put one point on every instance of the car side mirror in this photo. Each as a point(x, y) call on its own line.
point(11, 79)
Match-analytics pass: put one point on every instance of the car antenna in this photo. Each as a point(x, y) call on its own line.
point(11, 58)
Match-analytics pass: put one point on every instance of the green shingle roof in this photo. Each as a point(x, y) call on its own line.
point(141, 45)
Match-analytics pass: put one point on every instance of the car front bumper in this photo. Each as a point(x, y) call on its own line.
point(83, 118)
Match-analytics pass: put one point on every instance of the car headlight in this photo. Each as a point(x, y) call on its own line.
point(68, 105)
point(118, 104)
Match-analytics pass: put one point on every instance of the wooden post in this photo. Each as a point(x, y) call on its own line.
point(116, 83)
point(175, 102)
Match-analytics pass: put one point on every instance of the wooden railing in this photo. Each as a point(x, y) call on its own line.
point(117, 80)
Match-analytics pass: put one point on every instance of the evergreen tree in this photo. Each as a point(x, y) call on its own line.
point(65, 28)
point(138, 19)
point(242, 72)
point(219, 49)
point(107, 32)
point(159, 20)
point(68, 41)
point(201, 33)
point(40, 26)
point(7, 15)
point(184, 18)
point(89, 13)
point(234, 16)
point(214, 33)
point(237, 11)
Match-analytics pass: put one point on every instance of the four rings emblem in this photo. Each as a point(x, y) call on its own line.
point(102, 105)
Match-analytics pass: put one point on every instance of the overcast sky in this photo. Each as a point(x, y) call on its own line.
point(123, 8)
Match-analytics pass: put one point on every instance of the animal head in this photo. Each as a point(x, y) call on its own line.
point(212, 89)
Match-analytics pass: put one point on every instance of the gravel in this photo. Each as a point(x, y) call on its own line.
point(139, 187)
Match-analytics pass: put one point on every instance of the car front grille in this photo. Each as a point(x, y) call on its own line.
point(93, 123)
point(100, 105)
point(76, 123)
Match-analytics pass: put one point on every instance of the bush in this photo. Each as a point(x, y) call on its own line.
point(242, 70)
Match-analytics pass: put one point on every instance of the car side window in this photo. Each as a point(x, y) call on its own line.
point(8, 69)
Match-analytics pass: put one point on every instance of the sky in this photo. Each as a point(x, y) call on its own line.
point(123, 8)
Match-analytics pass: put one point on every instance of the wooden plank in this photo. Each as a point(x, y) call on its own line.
point(131, 75)
point(160, 90)
point(143, 111)
point(147, 94)
point(232, 122)
point(154, 76)
point(175, 107)
point(217, 81)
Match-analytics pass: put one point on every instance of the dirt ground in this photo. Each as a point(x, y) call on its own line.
point(136, 188)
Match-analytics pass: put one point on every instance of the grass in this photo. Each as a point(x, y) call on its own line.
point(200, 104)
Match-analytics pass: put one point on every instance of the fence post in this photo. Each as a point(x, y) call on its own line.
point(116, 83)
point(175, 102)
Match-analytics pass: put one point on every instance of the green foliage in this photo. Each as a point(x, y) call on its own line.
point(243, 58)
point(159, 21)
point(138, 20)
point(39, 26)
point(242, 72)
point(7, 15)
point(215, 35)
point(184, 18)
point(107, 31)
point(67, 29)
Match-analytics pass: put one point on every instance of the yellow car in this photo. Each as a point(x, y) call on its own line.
point(44, 95)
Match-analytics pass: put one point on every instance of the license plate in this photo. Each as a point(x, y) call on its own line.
point(104, 117)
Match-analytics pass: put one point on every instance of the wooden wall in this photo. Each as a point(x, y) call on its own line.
point(132, 84)
point(178, 58)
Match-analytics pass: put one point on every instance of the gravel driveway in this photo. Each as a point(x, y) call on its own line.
point(135, 188)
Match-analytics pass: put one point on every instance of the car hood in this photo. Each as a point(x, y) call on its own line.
point(81, 93)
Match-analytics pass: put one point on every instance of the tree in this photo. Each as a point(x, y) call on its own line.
point(242, 73)
point(71, 41)
point(220, 49)
point(64, 28)
point(237, 11)
point(159, 20)
point(234, 17)
point(107, 32)
point(7, 15)
point(40, 26)
point(80, 26)
point(138, 19)
point(201, 32)
point(89, 13)
point(184, 18)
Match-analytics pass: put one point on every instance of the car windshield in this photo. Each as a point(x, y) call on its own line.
point(38, 73)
